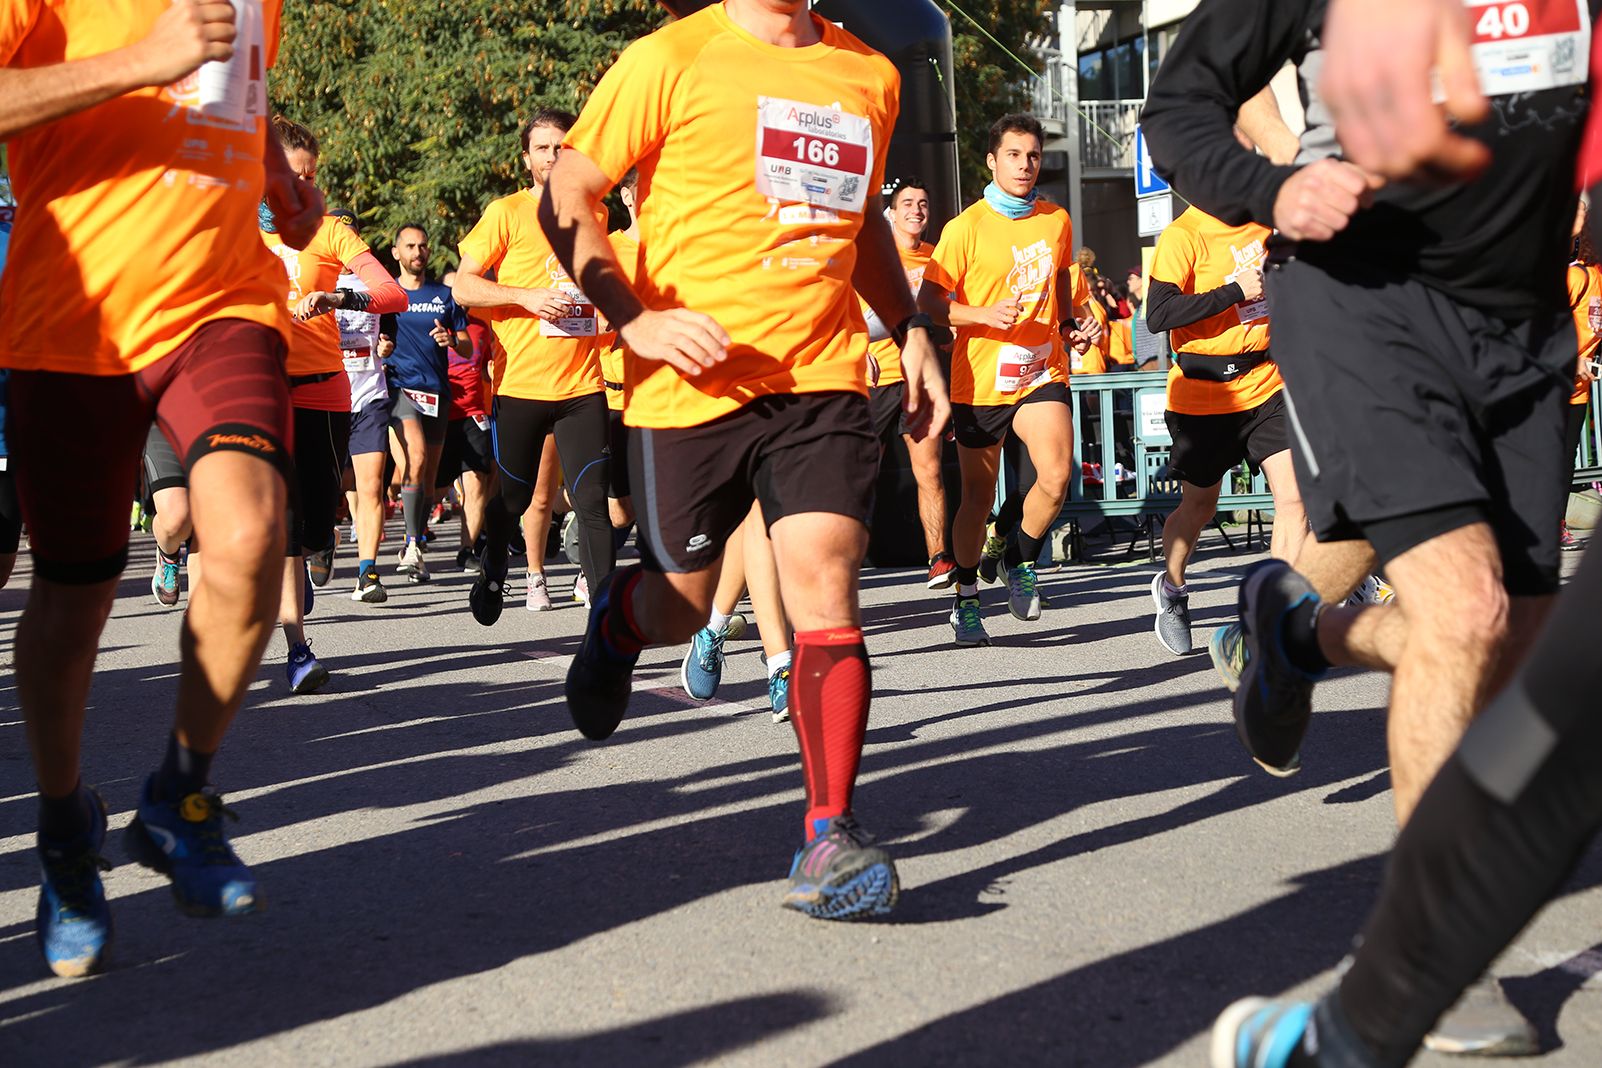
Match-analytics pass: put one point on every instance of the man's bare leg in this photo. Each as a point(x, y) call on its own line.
point(1290, 517)
point(925, 458)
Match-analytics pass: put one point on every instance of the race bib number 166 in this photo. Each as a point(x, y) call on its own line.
point(812, 155)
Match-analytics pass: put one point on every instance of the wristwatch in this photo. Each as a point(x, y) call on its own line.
point(917, 320)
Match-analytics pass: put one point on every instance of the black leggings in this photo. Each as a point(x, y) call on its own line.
point(1493, 838)
point(10, 514)
point(322, 441)
point(583, 442)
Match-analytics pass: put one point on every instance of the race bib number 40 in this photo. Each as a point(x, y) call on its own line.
point(813, 155)
point(1524, 46)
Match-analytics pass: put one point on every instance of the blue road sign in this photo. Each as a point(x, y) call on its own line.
point(1146, 181)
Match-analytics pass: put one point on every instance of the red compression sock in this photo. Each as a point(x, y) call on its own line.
point(830, 684)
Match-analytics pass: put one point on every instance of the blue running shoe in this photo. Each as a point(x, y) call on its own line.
point(185, 841)
point(842, 875)
point(1227, 647)
point(600, 678)
point(1256, 1033)
point(74, 921)
point(164, 582)
point(1275, 699)
point(703, 664)
point(304, 672)
point(779, 695)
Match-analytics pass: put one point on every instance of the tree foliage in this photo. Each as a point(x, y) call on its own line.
point(989, 82)
point(418, 104)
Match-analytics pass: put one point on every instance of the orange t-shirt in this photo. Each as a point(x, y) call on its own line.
point(756, 163)
point(314, 344)
point(1585, 299)
point(1197, 253)
point(628, 257)
point(138, 211)
point(537, 359)
point(885, 352)
point(984, 258)
point(1093, 361)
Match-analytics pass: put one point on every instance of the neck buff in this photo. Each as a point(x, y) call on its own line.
point(1008, 205)
point(264, 218)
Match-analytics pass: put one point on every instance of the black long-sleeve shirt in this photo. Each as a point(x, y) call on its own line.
point(1168, 307)
point(1498, 243)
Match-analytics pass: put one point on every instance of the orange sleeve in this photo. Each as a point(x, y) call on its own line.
point(488, 239)
point(1579, 282)
point(950, 260)
point(1175, 259)
point(1123, 348)
point(384, 294)
point(16, 20)
point(892, 110)
point(626, 117)
point(1081, 293)
point(345, 245)
point(272, 15)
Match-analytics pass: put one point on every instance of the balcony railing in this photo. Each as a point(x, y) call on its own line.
point(1107, 133)
point(1050, 104)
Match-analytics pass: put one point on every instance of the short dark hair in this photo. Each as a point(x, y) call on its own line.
point(909, 181)
point(293, 135)
point(556, 117)
point(631, 180)
point(403, 227)
point(1018, 122)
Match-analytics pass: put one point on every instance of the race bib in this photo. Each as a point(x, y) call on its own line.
point(1524, 46)
point(1593, 315)
point(1019, 367)
point(427, 403)
point(360, 362)
point(813, 155)
point(232, 93)
point(481, 421)
point(577, 321)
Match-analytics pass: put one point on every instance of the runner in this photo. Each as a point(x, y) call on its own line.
point(319, 392)
point(431, 330)
point(998, 278)
point(909, 217)
point(1585, 303)
point(365, 340)
point(1224, 395)
point(198, 347)
point(547, 380)
point(730, 399)
point(468, 454)
point(1437, 310)
point(167, 488)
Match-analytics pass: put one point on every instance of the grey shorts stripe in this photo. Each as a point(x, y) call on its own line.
point(649, 517)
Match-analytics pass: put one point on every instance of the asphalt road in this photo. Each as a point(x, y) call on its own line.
point(1091, 868)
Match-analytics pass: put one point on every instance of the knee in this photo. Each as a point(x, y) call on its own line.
point(246, 549)
point(1472, 614)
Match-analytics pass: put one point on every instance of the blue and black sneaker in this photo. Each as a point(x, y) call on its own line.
point(703, 664)
point(779, 695)
point(73, 920)
point(1257, 1033)
point(185, 841)
point(1275, 699)
point(842, 875)
point(600, 678)
point(304, 672)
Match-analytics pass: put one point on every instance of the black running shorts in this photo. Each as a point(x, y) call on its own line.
point(983, 426)
point(885, 404)
point(1207, 447)
point(1412, 415)
point(467, 448)
point(795, 453)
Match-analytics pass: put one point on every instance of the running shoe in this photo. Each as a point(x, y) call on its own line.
point(539, 598)
point(966, 622)
point(600, 679)
point(1227, 647)
point(1372, 590)
point(570, 538)
point(990, 558)
point(517, 545)
point(370, 588)
point(164, 583)
point(842, 875)
point(736, 628)
point(1257, 1033)
point(319, 566)
point(411, 558)
point(1022, 597)
point(1275, 698)
point(942, 571)
point(73, 921)
point(304, 672)
point(467, 560)
point(1173, 617)
point(1484, 1023)
point(581, 590)
point(185, 841)
point(1568, 542)
point(703, 664)
point(779, 695)
point(486, 599)
point(417, 574)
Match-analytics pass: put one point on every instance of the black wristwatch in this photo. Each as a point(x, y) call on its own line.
point(916, 321)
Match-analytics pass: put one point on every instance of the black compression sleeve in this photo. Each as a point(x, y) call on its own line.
point(351, 300)
point(1226, 52)
point(1167, 307)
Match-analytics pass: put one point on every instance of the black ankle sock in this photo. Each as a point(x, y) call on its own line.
point(967, 576)
point(1301, 638)
point(61, 819)
point(1022, 548)
point(183, 772)
point(1010, 514)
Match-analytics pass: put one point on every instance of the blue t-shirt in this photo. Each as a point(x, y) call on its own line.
point(418, 363)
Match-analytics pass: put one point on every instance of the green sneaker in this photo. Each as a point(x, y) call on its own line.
point(967, 624)
point(990, 558)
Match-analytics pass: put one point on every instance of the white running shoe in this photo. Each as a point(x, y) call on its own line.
point(539, 599)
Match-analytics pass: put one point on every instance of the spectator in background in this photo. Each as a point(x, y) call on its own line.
point(1135, 286)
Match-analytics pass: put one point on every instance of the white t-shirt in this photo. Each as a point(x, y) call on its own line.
point(358, 336)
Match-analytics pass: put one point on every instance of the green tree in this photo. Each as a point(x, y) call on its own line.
point(989, 81)
point(418, 104)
